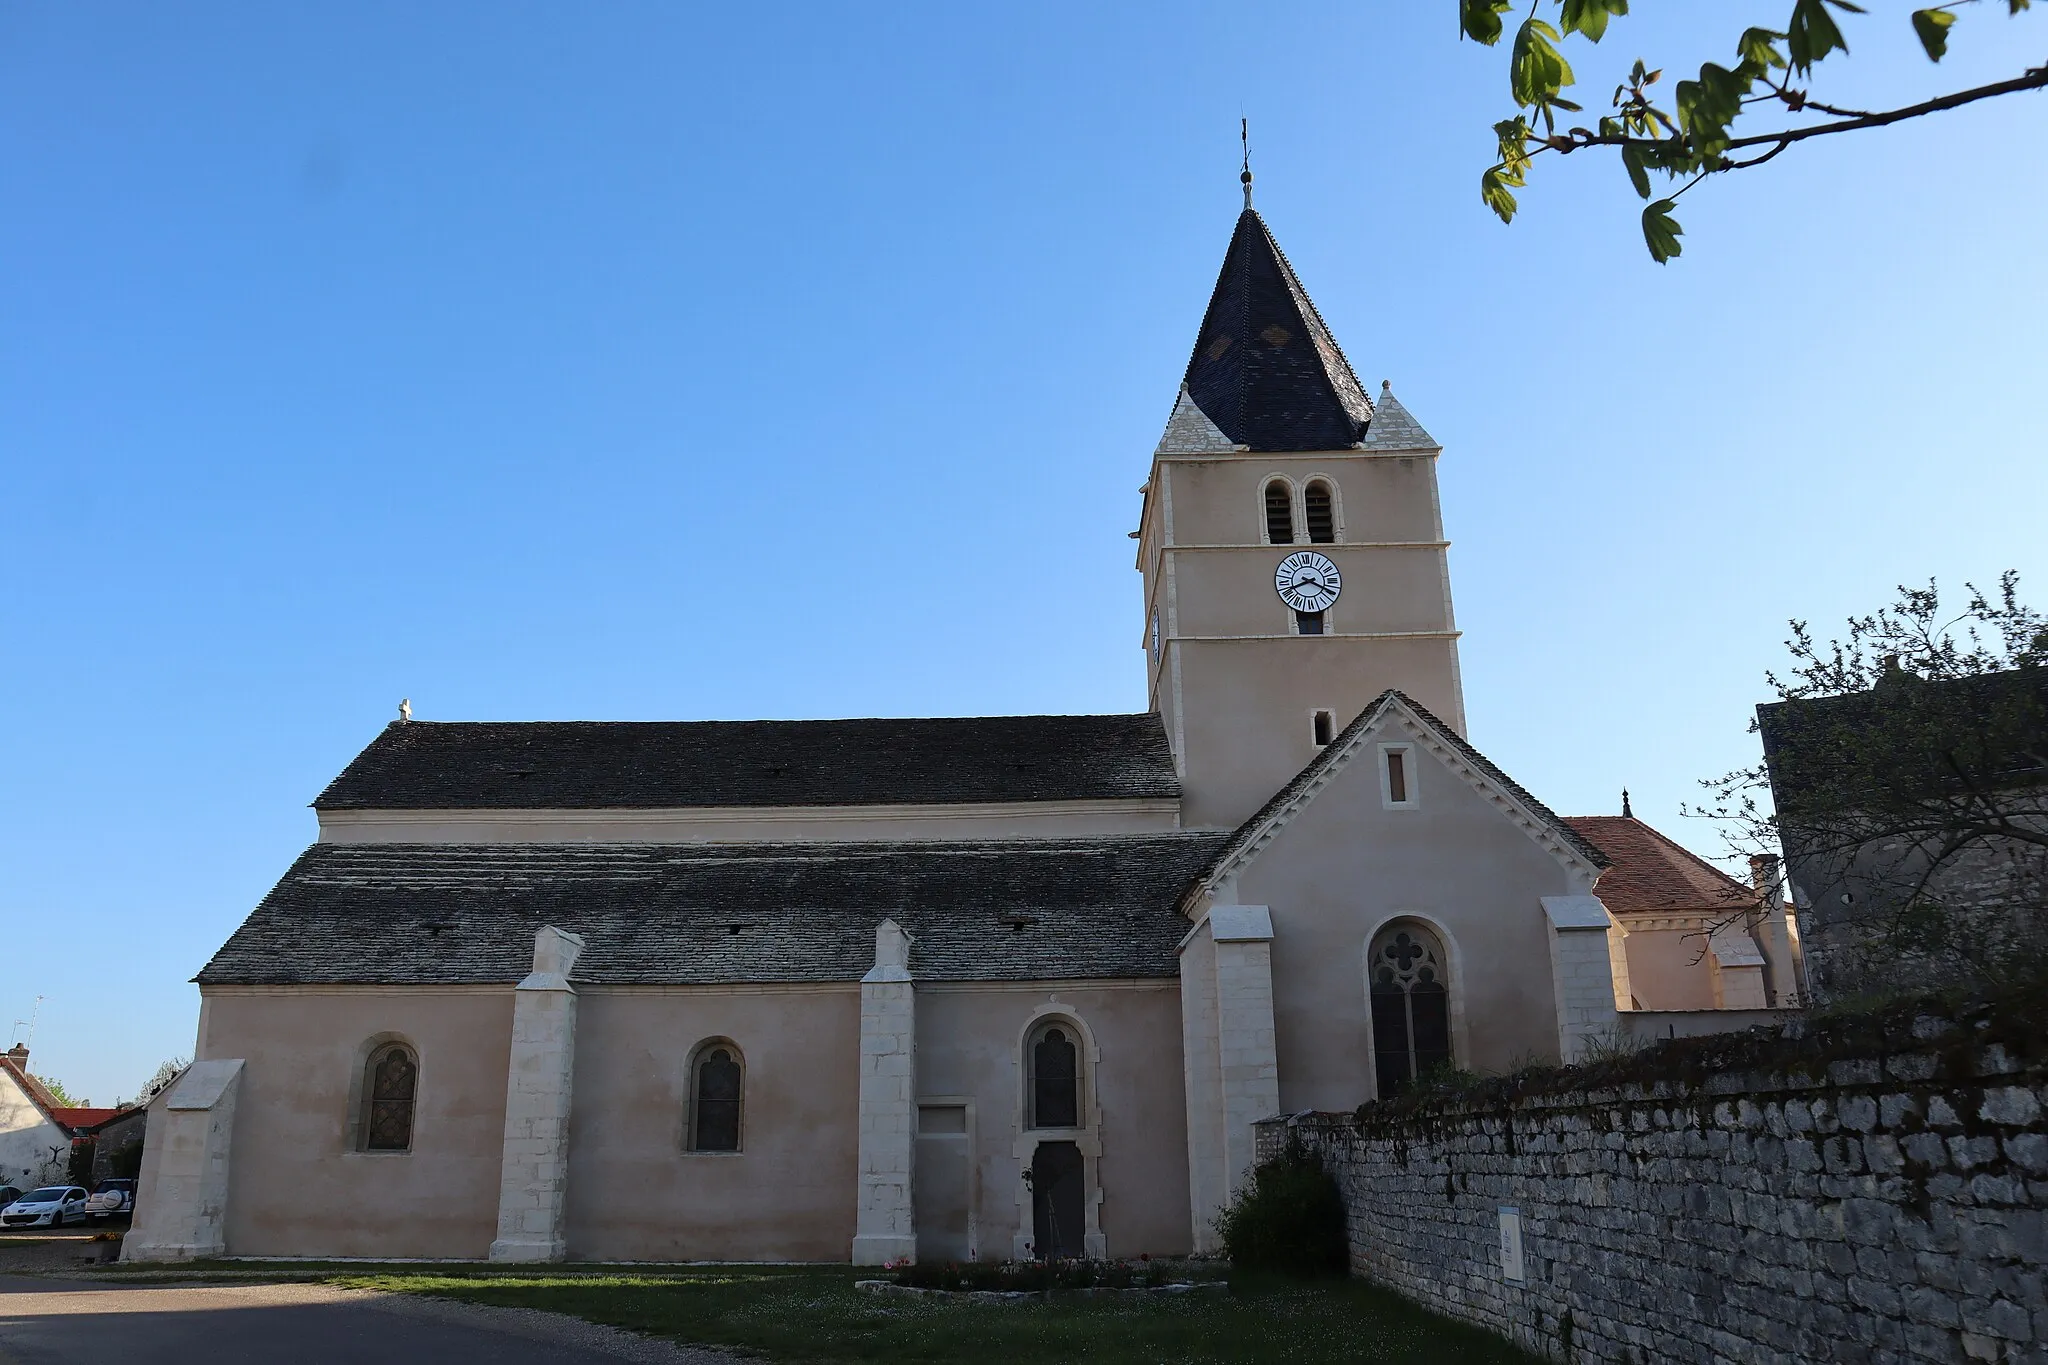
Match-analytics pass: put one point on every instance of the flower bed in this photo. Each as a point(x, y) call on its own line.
point(991, 1280)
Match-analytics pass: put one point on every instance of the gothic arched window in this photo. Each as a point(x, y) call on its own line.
point(1055, 1070)
point(1411, 1006)
point(390, 1080)
point(1320, 506)
point(715, 1088)
point(1279, 513)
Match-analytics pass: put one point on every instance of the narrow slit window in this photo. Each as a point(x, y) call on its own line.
point(1325, 728)
point(1308, 623)
point(1397, 777)
point(1322, 516)
point(1279, 514)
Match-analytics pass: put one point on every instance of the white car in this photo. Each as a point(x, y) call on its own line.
point(51, 1206)
point(111, 1197)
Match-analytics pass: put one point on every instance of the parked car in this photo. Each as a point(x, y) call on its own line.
point(8, 1194)
point(51, 1206)
point(111, 1197)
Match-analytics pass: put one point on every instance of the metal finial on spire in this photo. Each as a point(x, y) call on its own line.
point(1244, 135)
point(1626, 813)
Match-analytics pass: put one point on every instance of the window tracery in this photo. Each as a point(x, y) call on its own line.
point(717, 1083)
point(1411, 1015)
point(390, 1086)
point(1055, 1068)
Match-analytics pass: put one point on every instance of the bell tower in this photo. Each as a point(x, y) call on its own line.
point(1291, 543)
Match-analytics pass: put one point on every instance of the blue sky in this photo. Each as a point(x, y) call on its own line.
point(482, 354)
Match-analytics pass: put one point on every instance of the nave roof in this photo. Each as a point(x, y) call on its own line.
point(584, 765)
point(1024, 909)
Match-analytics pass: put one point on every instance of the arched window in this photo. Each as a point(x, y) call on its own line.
point(1411, 1006)
point(1322, 513)
point(390, 1079)
point(715, 1088)
point(1055, 1069)
point(1279, 513)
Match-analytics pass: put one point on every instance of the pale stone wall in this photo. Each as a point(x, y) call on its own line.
point(1235, 686)
point(299, 1185)
point(971, 1038)
point(1581, 973)
point(1202, 1079)
point(1884, 1206)
point(885, 1222)
point(30, 1144)
point(181, 1201)
point(534, 1160)
point(1347, 865)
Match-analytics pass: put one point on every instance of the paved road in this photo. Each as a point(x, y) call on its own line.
point(51, 1322)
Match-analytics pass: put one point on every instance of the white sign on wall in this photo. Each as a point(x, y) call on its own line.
point(1511, 1244)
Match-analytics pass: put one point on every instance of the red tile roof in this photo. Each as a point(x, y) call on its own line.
point(81, 1116)
point(1651, 874)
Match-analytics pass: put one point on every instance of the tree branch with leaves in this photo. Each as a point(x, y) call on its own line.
point(1696, 137)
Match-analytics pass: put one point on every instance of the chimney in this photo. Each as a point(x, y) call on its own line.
point(1763, 874)
point(18, 1054)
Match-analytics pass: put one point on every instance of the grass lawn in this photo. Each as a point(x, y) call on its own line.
point(815, 1315)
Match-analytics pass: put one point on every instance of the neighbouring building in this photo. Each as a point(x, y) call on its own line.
point(40, 1139)
point(959, 987)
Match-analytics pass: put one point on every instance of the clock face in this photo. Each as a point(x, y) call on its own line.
point(1307, 581)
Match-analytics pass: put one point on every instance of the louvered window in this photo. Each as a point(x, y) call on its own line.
point(1322, 515)
point(1279, 513)
point(389, 1086)
point(715, 1107)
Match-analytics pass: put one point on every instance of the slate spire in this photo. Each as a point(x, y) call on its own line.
point(1265, 369)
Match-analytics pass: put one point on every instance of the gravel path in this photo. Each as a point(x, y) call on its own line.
point(48, 1323)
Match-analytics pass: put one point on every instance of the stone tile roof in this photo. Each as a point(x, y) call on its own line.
point(1648, 873)
point(1394, 427)
point(1265, 369)
point(581, 765)
point(1036, 909)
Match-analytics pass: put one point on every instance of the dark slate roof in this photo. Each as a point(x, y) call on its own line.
point(1032, 909)
point(1907, 741)
point(1331, 752)
point(1265, 369)
point(582, 765)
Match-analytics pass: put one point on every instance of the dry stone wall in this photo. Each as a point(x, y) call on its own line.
point(1874, 1195)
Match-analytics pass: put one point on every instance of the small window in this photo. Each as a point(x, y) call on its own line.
point(1308, 623)
point(715, 1100)
point(1322, 516)
point(1155, 634)
point(1325, 728)
point(1279, 513)
point(1055, 1064)
point(389, 1086)
point(1397, 776)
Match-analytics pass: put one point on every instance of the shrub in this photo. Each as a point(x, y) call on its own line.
point(1288, 1218)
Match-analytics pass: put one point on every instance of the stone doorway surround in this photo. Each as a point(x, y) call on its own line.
point(1087, 1138)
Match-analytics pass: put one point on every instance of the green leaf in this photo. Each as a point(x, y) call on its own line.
point(1812, 34)
point(1759, 47)
point(1589, 17)
point(1514, 137)
point(1479, 20)
point(1536, 69)
point(1708, 105)
point(1661, 231)
point(1637, 176)
point(1494, 191)
point(1931, 26)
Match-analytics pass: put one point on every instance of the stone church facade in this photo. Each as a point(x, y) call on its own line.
point(946, 988)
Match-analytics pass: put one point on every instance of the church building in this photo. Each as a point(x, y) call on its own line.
point(982, 987)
